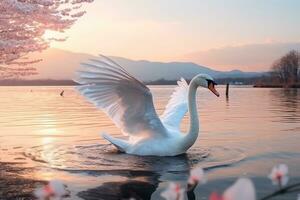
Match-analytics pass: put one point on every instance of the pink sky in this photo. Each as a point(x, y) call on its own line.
point(245, 35)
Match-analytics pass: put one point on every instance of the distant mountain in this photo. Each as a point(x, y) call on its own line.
point(258, 56)
point(61, 64)
point(149, 71)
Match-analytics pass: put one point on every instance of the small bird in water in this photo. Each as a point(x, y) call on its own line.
point(62, 93)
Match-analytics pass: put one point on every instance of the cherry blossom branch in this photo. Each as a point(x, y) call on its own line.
point(23, 24)
point(282, 191)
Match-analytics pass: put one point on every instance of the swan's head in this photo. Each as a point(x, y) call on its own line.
point(206, 81)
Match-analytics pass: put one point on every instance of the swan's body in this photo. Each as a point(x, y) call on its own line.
point(129, 104)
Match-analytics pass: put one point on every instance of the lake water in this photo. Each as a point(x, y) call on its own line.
point(58, 138)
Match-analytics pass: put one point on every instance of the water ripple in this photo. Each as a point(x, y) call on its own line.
point(101, 157)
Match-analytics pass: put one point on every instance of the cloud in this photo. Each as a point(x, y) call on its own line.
point(250, 57)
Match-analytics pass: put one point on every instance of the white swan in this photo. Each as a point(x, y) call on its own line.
point(129, 104)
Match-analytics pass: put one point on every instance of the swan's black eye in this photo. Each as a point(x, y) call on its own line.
point(211, 82)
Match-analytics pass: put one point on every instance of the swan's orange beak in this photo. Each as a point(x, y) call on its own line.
point(212, 88)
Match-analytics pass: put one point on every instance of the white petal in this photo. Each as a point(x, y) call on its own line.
point(284, 181)
point(168, 193)
point(171, 192)
point(197, 174)
point(273, 178)
point(273, 172)
point(181, 194)
point(242, 189)
point(59, 189)
point(283, 168)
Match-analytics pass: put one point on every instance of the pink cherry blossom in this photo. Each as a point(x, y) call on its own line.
point(23, 24)
point(54, 189)
point(279, 175)
point(242, 189)
point(173, 192)
point(197, 176)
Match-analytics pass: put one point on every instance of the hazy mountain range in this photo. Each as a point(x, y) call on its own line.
point(247, 57)
point(60, 64)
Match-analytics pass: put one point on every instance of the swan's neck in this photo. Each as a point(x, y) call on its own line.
point(191, 136)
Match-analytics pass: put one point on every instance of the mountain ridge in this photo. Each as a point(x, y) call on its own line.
point(61, 64)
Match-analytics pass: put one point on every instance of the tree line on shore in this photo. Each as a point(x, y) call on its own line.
point(284, 72)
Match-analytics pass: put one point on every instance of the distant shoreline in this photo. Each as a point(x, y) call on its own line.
point(55, 82)
point(276, 86)
point(52, 82)
point(48, 82)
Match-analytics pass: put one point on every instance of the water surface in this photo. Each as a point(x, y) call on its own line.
point(243, 135)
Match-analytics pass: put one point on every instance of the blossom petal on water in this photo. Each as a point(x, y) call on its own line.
point(54, 188)
point(279, 175)
point(242, 189)
point(58, 188)
point(173, 192)
point(197, 176)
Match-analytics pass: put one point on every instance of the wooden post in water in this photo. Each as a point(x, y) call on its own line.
point(227, 90)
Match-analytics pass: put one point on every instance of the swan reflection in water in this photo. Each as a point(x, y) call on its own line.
point(143, 184)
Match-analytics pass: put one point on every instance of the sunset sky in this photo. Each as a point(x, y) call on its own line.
point(222, 34)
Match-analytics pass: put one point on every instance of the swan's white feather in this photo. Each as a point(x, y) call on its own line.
point(177, 106)
point(127, 101)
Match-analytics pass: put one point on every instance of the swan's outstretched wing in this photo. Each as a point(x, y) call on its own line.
point(127, 101)
point(177, 106)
